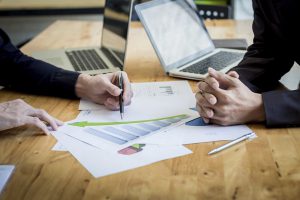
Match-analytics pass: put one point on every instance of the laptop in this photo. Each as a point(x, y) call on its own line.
point(109, 56)
point(181, 40)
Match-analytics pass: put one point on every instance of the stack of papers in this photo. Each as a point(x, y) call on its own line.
point(159, 121)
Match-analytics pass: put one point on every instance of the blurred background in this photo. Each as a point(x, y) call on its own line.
point(24, 19)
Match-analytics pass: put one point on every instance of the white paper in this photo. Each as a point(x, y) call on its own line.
point(58, 147)
point(101, 163)
point(5, 173)
point(93, 135)
point(152, 101)
point(153, 96)
point(188, 134)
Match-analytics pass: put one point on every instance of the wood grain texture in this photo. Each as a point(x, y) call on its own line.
point(265, 168)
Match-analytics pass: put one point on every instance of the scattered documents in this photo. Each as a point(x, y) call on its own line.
point(5, 173)
point(197, 131)
point(160, 120)
point(101, 163)
point(110, 134)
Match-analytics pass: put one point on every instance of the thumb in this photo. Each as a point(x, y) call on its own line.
point(112, 89)
point(224, 79)
point(233, 74)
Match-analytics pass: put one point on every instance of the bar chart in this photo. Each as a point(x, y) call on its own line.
point(122, 133)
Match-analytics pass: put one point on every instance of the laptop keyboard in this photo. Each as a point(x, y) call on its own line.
point(111, 58)
point(217, 61)
point(86, 60)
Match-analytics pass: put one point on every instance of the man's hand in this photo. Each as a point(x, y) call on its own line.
point(102, 89)
point(18, 113)
point(223, 99)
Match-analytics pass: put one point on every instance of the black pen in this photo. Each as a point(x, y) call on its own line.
point(121, 103)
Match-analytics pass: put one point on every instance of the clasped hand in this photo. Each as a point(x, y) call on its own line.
point(223, 99)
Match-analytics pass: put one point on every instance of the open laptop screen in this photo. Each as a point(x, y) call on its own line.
point(115, 26)
point(175, 30)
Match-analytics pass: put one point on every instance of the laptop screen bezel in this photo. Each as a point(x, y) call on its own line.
point(128, 23)
point(140, 7)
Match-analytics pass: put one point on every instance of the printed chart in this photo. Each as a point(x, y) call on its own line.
point(127, 131)
point(121, 134)
point(133, 149)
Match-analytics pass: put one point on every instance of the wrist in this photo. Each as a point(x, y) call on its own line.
point(82, 85)
point(259, 111)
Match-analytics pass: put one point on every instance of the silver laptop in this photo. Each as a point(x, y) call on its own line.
point(109, 56)
point(181, 41)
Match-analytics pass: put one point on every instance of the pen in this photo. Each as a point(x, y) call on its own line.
point(121, 103)
point(233, 142)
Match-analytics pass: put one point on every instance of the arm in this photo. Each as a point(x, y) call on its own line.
point(268, 58)
point(266, 61)
point(23, 73)
point(26, 74)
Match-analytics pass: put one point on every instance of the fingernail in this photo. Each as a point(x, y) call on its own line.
point(212, 101)
point(209, 113)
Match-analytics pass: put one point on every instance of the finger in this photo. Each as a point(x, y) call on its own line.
point(233, 74)
point(201, 101)
point(43, 115)
point(210, 98)
point(110, 87)
point(58, 122)
point(199, 109)
point(112, 104)
point(212, 82)
point(221, 77)
point(206, 112)
point(204, 87)
point(35, 121)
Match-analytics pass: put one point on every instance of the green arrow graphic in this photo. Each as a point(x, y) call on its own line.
point(86, 123)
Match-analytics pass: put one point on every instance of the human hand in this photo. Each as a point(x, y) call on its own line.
point(223, 99)
point(18, 113)
point(102, 89)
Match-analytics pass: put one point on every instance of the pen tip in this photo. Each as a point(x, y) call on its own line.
point(212, 152)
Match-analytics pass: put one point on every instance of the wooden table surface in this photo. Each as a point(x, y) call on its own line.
point(265, 168)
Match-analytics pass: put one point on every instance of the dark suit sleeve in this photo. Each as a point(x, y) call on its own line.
point(265, 62)
point(26, 74)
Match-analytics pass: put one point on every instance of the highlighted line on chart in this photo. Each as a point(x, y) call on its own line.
point(172, 119)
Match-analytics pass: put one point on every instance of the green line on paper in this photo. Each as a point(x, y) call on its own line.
point(86, 123)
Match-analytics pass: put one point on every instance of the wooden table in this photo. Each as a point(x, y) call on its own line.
point(265, 168)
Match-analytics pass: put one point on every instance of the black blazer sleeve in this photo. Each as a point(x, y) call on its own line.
point(26, 74)
point(267, 60)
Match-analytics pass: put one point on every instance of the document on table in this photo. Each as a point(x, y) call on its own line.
point(59, 147)
point(5, 173)
point(116, 135)
point(197, 131)
point(156, 107)
point(101, 163)
point(153, 94)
